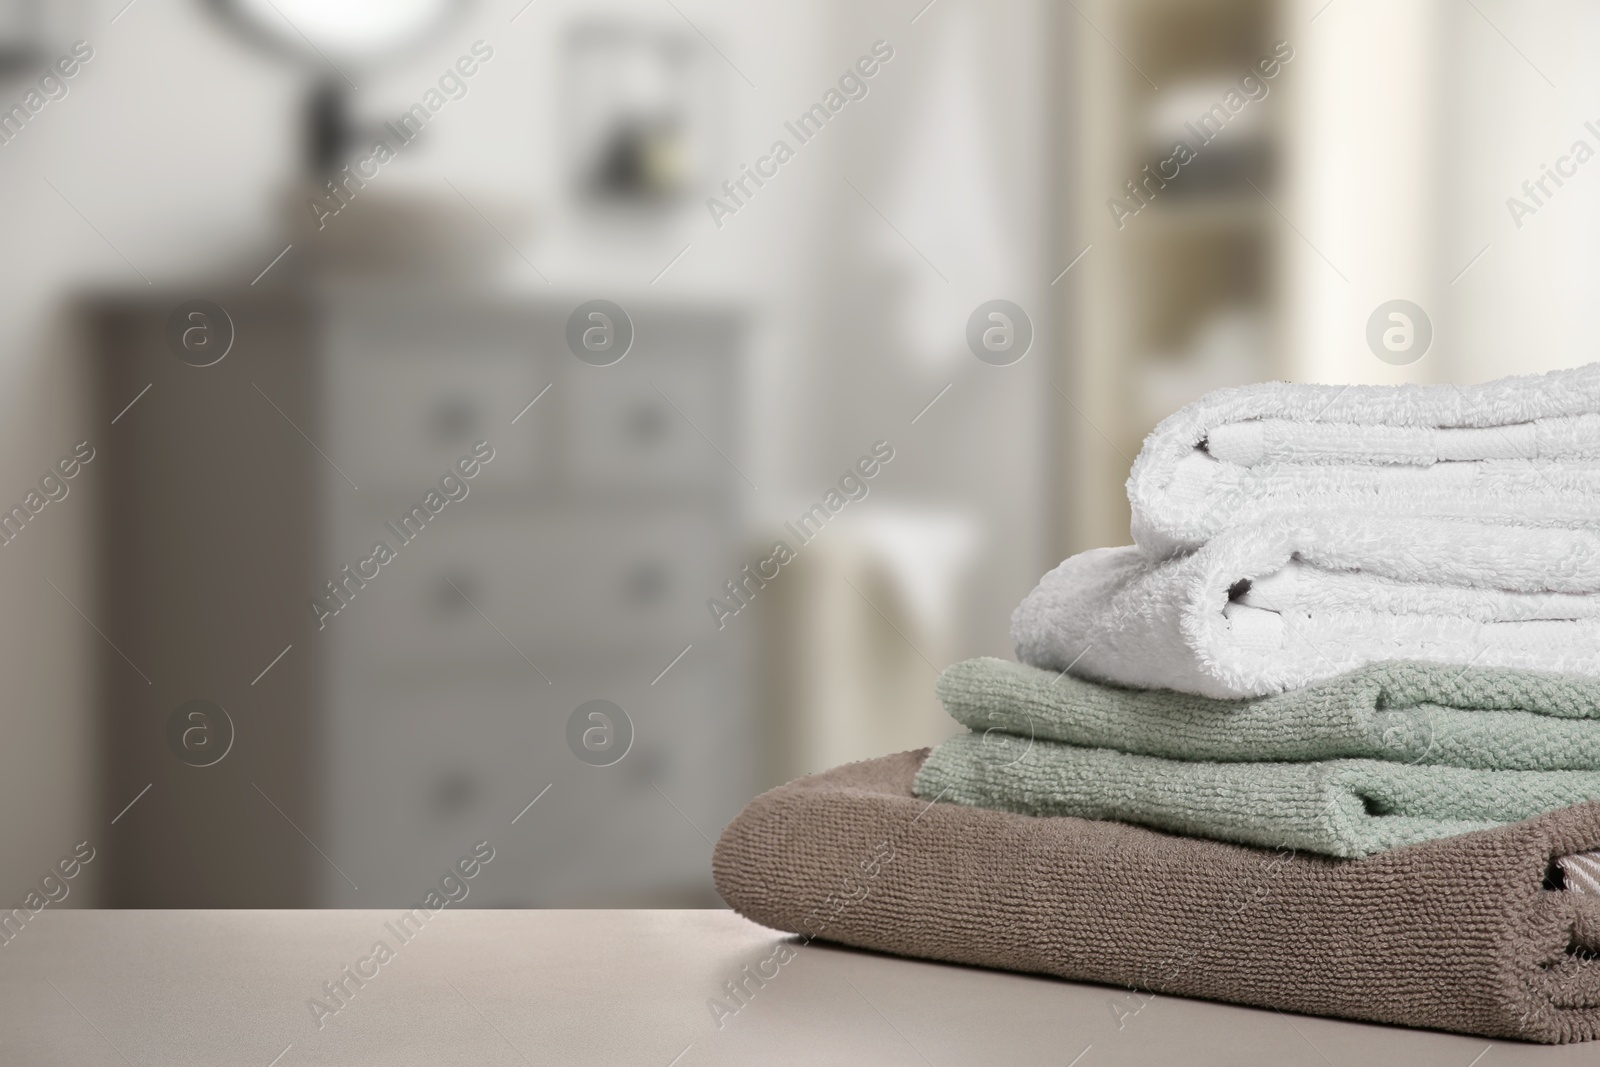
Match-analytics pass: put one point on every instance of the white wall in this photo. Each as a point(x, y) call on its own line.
point(177, 143)
point(1414, 125)
point(1528, 304)
point(1366, 181)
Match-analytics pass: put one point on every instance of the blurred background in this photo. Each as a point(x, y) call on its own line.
point(281, 268)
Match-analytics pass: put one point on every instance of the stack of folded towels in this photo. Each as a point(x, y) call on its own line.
point(1325, 739)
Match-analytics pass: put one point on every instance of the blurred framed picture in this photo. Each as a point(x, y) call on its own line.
point(34, 32)
point(22, 35)
point(638, 113)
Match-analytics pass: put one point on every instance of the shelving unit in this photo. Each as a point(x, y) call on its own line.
point(1184, 296)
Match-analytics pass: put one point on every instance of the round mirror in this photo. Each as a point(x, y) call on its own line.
point(342, 32)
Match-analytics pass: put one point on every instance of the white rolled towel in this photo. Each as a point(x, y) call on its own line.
point(1265, 609)
point(1520, 450)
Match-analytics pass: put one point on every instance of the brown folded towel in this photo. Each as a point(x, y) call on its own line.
point(1458, 934)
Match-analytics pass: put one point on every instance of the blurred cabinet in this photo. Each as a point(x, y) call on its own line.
point(433, 707)
point(205, 526)
point(576, 568)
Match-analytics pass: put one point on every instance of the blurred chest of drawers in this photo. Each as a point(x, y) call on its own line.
point(605, 512)
point(429, 708)
point(574, 567)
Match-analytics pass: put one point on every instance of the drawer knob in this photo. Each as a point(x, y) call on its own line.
point(646, 424)
point(646, 583)
point(456, 418)
point(452, 592)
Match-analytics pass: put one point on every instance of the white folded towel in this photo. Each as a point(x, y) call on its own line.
point(1520, 450)
point(1264, 609)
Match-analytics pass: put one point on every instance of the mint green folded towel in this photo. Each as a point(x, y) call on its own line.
point(1346, 807)
point(1489, 718)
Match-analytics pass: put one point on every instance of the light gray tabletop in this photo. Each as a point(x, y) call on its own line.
point(174, 988)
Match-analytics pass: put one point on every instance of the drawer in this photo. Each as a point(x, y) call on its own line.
point(639, 422)
point(416, 774)
point(552, 584)
point(405, 399)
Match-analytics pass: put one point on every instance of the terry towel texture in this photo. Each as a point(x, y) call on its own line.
point(1405, 712)
point(1453, 935)
point(1522, 450)
point(1280, 605)
point(1337, 807)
